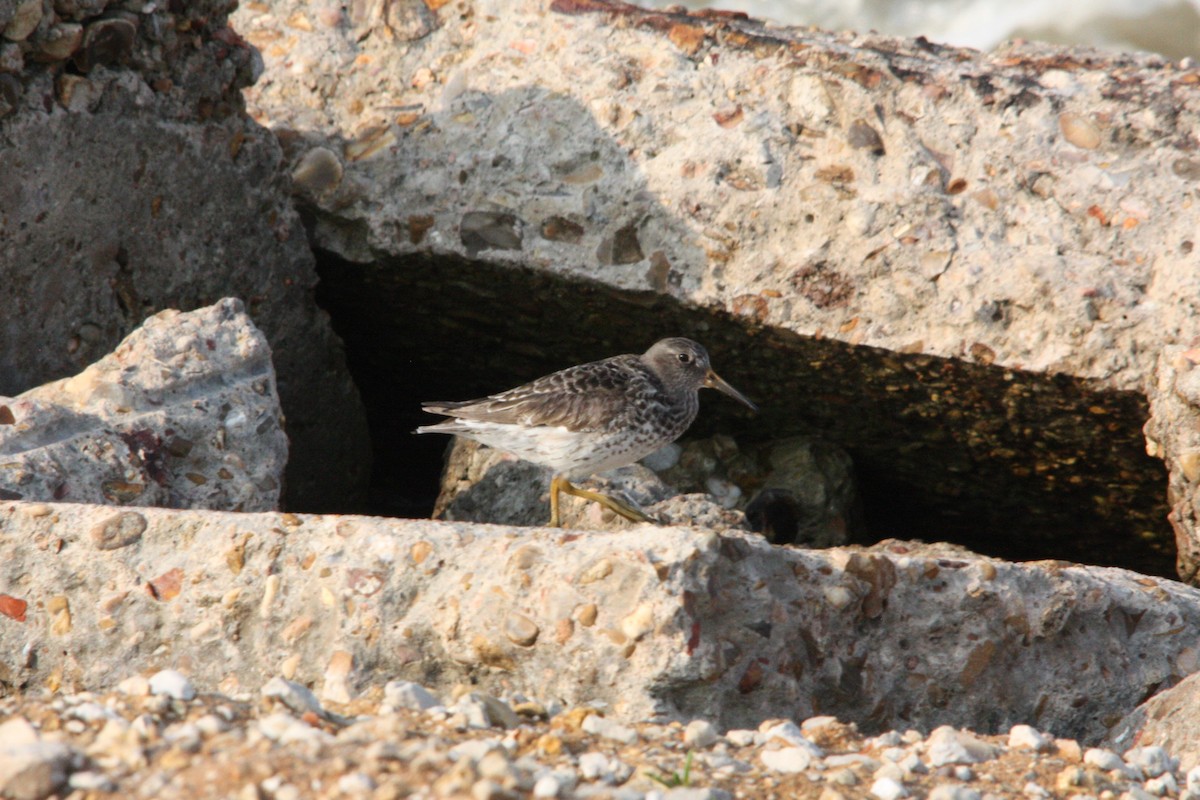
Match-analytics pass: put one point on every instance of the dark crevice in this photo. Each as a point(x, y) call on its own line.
point(1008, 463)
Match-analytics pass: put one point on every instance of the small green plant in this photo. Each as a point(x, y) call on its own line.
point(676, 778)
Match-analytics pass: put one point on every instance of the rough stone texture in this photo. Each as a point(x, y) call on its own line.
point(1173, 434)
point(806, 493)
point(183, 414)
point(219, 746)
point(1167, 720)
point(480, 484)
point(133, 182)
point(666, 621)
point(953, 264)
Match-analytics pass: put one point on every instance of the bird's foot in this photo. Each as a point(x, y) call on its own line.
point(560, 484)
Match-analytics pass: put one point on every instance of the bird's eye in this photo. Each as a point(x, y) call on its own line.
point(685, 358)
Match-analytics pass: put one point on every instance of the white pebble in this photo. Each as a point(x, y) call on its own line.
point(92, 712)
point(726, 492)
point(134, 686)
point(889, 739)
point(1163, 785)
point(1026, 737)
point(596, 766)
point(1101, 759)
point(547, 786)
point(356, 783)
point(911, 764)
point(1193, 780)
point(144, 726)
point(1153, 760)
point(889, 769)
point(89, 781)
point(300, 732)
point(609, 729)
point(888, 789)
point(473, 749)
point(964, 774)
point(172, 683)
point(948, 745)
point(788, 759)
point(700, 733)
point(741, 738)
point(789, 732)
point(1032, 790)
point(406, 694)
point(953, 791)
point(17, 731)
point(1135, 792)
point(843, 777)
point(814, 725)
point(211, 725)
point(852, 759)
point(273, 726)
point(293, 695)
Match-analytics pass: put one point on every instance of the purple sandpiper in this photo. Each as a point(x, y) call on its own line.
point(592, 417)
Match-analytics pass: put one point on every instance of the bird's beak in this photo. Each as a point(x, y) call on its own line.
point(714, 381)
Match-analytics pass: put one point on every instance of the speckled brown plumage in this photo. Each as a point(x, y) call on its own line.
point(591, 417)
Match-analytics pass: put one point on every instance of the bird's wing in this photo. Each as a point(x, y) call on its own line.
point(585, 398)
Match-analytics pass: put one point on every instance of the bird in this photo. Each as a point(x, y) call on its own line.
point(592, 417)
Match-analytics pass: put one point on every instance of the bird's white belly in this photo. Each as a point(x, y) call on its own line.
point(566, 452)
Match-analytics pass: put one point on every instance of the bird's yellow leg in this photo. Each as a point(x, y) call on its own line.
point(555, 486)
point(561, 484)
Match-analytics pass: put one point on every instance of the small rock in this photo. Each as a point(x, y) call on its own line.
point(105, 41)
point(547, 786)
point(888, 789)
point(17, 731)
point(953, 791)
point(296, 697)
point(1105, 760)
point(35, 770)
point(211, 725)
point(700, 734)
point(485, 711)
point(406, 694)
point(608, 729)
point(490, 230)
point(1153, 760)
point(789, 732)
point(473, 750)
point(883, 740)
point(318, 171)
point(1193, 780)
point(356, 783)
point(740, 737)
point(1135, 792)
point(948, 745)
point(1079, 130)
point(89, 781)
point(696, 793)
point(134, 686)
point(599, 767)
point(664, 457)
point(520, 629)
point(173, 684)
point(486, 789)
point(1163, 785)
point(787, 759)
point(25, 18)
point(1026, 737)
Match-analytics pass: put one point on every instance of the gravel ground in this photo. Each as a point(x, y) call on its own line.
point(158, 738)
